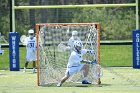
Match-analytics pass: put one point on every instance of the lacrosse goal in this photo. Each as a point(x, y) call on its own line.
point(52, 56)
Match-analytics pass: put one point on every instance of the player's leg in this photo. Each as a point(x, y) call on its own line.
point(27, 60)
point(25, 66)
point(67, 75)
point(34, 65)
point(85, 70)
point(63, 80)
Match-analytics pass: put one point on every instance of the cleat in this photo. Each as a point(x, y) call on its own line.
point(85, 82)
point(59, 85)
point(24, 70)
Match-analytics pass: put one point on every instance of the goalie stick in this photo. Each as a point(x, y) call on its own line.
point(61, 47)
point(97, 71)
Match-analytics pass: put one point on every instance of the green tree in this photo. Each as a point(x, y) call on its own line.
point(115, 25)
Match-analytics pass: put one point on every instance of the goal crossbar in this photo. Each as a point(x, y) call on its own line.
point(75, 6)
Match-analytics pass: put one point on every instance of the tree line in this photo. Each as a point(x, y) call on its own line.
point(116, 23)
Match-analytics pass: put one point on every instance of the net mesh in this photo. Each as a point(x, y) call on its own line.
point(52, 62)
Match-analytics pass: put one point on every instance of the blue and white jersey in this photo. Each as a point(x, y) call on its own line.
point(31, 49)
point(75, 58)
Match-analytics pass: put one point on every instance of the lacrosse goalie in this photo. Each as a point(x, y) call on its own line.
point(75, 63)
point(30, 43)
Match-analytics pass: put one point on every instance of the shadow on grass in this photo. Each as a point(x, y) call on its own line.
point(76, 85)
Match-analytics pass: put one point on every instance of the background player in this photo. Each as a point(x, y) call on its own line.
point(30, 43)
point(73, 38)
point(74, 63)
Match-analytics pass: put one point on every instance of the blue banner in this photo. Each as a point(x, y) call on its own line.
point(14, 51)
point(136, 49)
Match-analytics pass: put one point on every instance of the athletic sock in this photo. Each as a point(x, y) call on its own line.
point(24, 70)
point(85, 78)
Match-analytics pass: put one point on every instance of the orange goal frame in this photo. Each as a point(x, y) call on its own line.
point(63, 24)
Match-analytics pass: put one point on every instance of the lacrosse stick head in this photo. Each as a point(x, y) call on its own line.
point(22, 39)
point(61, 47)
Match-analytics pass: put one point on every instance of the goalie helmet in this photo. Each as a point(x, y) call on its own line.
point(77, 46)
point(31, 33)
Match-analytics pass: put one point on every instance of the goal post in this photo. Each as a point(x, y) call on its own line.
point(51, 63)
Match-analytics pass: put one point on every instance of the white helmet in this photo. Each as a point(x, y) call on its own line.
point(74, 33)
point(77, 44)
point(31, 33)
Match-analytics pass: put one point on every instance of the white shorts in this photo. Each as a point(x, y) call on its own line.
point(31, 56)
point(71, 70)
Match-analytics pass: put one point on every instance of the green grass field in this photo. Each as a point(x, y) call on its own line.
point(114, 80)
point(110, 55)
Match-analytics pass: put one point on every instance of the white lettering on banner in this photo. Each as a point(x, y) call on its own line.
point(14, 60)
point(14, 65)
point(14, 51)
point(137, 49)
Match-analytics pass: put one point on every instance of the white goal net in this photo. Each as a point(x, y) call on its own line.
point(52, 52)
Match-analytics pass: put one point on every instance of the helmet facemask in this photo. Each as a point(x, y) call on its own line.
point(77, 46)
point(31, 35)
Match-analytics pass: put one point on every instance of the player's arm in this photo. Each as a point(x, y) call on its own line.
point(68, 47)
